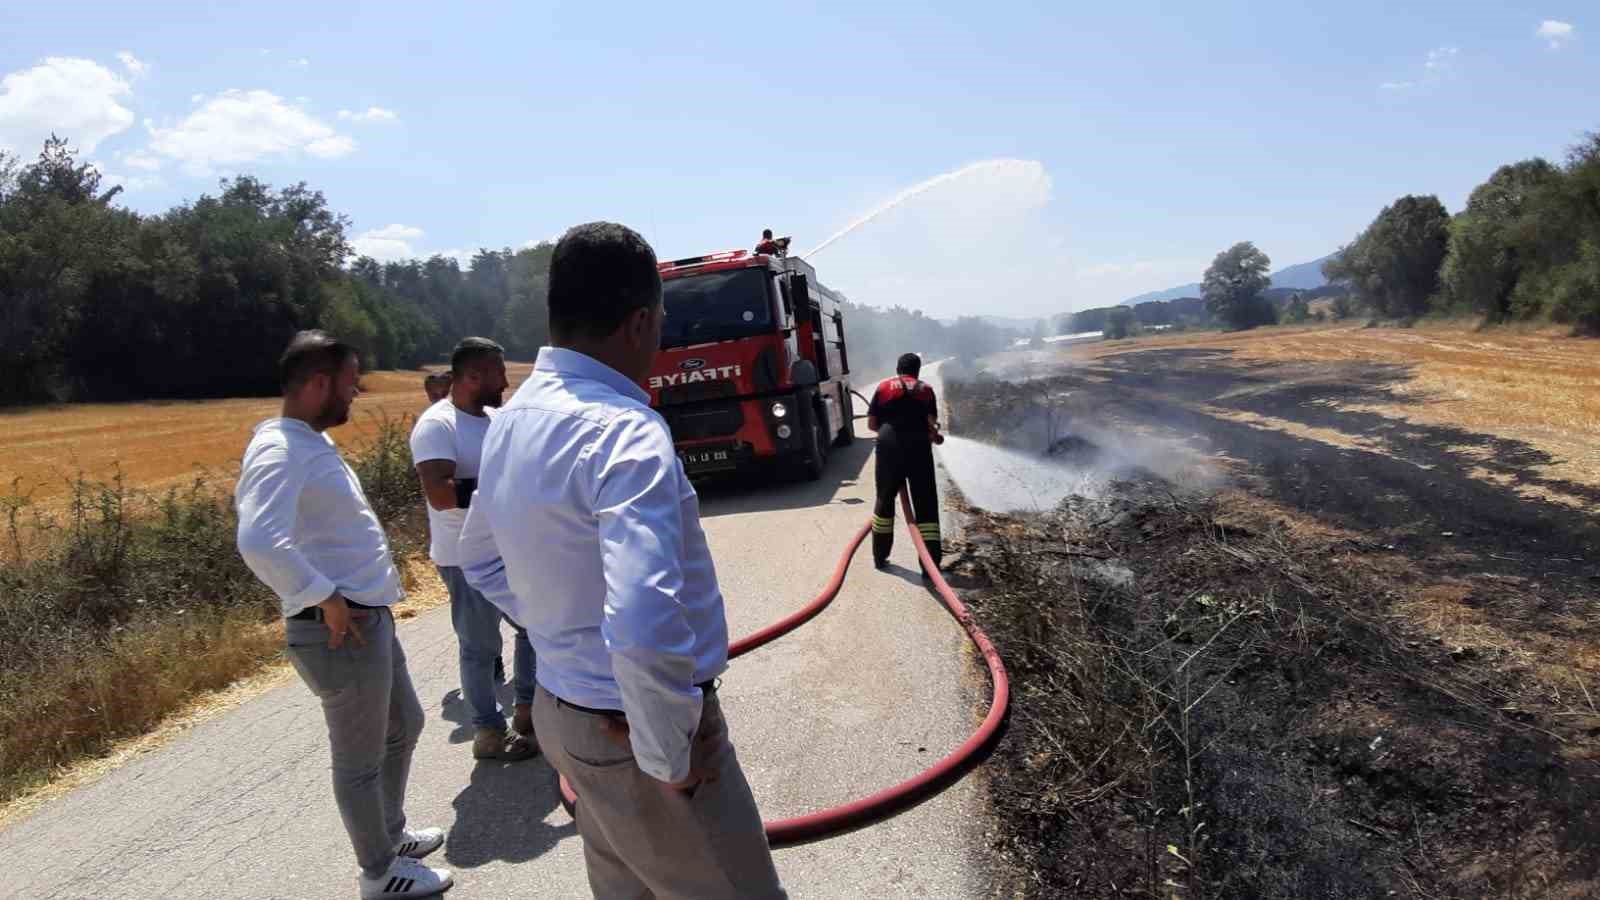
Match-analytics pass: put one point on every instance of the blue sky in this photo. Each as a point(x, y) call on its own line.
point(1140, 138)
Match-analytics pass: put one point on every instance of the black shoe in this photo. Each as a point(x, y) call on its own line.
point(880, 564)
point(499, 669)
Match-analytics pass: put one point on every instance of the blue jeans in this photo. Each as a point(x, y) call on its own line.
point(477, 626)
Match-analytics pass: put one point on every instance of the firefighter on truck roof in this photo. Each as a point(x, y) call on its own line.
point(905, 415)
point(771, 246)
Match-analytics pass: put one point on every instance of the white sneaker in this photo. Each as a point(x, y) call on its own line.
point(406, 878)
point(419, 842)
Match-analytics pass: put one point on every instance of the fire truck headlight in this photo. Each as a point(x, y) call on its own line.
point(784, 431)
point(779, 410)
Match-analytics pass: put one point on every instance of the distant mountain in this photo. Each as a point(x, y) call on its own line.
point(1305, 276)
point(1185, 290)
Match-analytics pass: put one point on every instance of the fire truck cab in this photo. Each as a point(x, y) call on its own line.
point(753, 368)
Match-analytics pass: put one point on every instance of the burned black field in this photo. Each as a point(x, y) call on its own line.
point(1351, 665)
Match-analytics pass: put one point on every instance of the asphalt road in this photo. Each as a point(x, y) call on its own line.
point(870, 692)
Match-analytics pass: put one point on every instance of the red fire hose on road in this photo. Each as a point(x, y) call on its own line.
point(889, 801)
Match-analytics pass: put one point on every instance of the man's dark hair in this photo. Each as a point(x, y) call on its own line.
point(310, 353)
point(766, 234)
point(600, 273)
point(469, 351)
point(909, 364)
point(436, 377)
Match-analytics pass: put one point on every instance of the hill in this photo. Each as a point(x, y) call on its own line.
point(1302, 276)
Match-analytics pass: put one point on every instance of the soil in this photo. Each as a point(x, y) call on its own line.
point(1360, 664)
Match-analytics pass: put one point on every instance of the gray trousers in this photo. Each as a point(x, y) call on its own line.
point(645, 841)
point(373, 718)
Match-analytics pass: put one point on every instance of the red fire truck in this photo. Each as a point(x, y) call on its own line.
point(753, 367)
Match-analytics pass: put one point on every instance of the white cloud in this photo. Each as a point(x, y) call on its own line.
point(141, 161)
point(130, 183)
point(395, 243)
point(390, 243)
point(300, 63)
point(238, 127)
point(77, 99)
point(1439, 64)
point(370, 114)
point(133, 64)
point(463, 258)
point(332, 147)
point(1557, 33)
point(196, 98)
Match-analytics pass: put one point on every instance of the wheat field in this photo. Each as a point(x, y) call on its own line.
point(1537, 386)
point(166, 442)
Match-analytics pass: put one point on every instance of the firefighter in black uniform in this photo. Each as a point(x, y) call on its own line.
point(905, 414)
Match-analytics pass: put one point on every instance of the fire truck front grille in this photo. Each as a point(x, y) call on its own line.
point(694, 393)
point(705, 422)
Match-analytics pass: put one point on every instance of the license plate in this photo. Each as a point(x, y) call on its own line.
point(707, 459)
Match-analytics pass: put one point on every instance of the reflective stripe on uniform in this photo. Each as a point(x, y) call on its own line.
point(883, 525)
point(930, 530)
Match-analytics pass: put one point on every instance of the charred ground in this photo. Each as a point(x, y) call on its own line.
point(1360, 666)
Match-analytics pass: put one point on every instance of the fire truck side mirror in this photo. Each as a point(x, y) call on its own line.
point(803, 373)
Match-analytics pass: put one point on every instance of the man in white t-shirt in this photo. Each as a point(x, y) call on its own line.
point(446, 446)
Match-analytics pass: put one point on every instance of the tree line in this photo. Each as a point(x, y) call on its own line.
point(98, 302)
point(1526, 247)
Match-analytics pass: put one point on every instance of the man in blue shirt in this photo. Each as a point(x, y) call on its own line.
point(586, 532)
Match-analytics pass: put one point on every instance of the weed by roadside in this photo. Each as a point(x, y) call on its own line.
point(1212, 702)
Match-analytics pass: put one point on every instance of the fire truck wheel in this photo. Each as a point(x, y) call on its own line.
point(817, 453)
point(848, 435)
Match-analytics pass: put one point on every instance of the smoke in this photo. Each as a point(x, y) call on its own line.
point(1053, 453)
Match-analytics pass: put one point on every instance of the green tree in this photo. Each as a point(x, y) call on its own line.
point(1233, 285)
point(1120, 323)
point(1393, 266)
point(1499, 237)
point(58, 239)
point(1297, 310)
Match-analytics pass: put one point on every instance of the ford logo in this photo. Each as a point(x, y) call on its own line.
point(692, 364)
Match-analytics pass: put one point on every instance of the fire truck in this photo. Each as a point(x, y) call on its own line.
point(753, 368)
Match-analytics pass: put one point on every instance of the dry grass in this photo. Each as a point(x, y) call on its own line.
point(243, 659)
point(165, 442)
point(1541, 387)
point(132, 681)
point(149, 687)
point(129, 617)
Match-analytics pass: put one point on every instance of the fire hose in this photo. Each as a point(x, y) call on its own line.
point(891, 800)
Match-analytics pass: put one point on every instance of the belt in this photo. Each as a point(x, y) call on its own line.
point(705, 687)
point(314, 613)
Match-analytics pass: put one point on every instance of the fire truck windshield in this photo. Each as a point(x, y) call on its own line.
point(716, 306)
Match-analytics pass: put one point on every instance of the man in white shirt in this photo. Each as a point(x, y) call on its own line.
point(586, 532)
point(307, 531)
point(446, 444)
